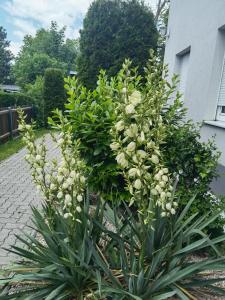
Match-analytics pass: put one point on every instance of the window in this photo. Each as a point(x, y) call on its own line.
point(220, 114)
point(183, 70)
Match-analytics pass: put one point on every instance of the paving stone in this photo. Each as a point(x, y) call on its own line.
point(17, 194)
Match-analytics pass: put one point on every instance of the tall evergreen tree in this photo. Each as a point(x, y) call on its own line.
point(112, 31)
point(5, 56)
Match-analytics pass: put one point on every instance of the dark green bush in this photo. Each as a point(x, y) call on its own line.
point(53, 91)
point(195, 163)
point(14, 99)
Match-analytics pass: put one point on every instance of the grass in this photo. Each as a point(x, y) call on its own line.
point(13, 146)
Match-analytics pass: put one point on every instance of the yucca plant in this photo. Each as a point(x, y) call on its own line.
point(152, 261)
point(57, 263)
point(115, 257)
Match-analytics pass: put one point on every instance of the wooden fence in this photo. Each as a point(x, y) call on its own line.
point(9, 121)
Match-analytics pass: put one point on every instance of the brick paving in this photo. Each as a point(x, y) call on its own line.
point(17, 194)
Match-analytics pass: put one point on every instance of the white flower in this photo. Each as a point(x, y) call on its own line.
point(130, 109)
point(165, 178)
point(73, 174)
point(135, 98)
point(38, 157)
point(132, 172)
point(121, 160)
point(69, 181)
point(119, 125)
point(124, 90)
point(168, 206)
point(175, 204)
point(168, 194)
point(78, 208)
point(135, 160)
point(114, 146)
point(132, 131)
point(79, 198)
point(165, 170)
point(52, 186)
point(20, 127)
point(137, 184)
point(68, 198)
point(67, 215)
point(131, 146)
point(163, 214)
point(142, 137)
point(154, 192)
point(172, 211)
point(158, 188)
point(154, 158)
point(142, 153)
point(39, 187)
point(60, 178)
point(161, 172)
point(157, 177)
point(65, 185)
point(162, 183)
point(60, 195)
point(82, 179)
point(163, 195)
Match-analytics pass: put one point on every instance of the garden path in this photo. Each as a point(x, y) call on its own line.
point(17, 194)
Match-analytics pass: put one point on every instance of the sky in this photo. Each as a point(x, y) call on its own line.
point(21, 17)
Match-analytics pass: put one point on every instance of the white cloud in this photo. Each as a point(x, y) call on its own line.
point(28, 15)
point(23, 27)
point(15, 47)
point(65, 13)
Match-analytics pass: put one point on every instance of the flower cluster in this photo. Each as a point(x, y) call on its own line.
point(137, 135)
point(62, 183)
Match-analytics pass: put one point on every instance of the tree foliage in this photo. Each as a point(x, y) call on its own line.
point(48, 48)
point(114, 30)
point(5, 56)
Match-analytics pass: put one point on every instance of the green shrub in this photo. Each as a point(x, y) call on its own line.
point(91, 113)
point(15, 99)
point(53, 91)
point(35, 91)
point(195, 163)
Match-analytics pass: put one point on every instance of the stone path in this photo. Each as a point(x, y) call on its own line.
point(17, 193)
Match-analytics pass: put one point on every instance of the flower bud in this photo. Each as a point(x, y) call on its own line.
point(129, 109)
point(132, 172)
point(168, 206)
point(154, 158)
point(119, 125)
point(114, 146)
point(137, 184)
point(131, 146)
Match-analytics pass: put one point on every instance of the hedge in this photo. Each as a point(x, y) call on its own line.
point(53, 91)
point(14, 99)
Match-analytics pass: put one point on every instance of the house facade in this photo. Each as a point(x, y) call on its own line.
point(195, 49)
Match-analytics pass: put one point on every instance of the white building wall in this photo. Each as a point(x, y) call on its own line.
point(198, 26)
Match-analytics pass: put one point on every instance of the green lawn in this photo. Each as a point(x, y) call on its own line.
point(12, 146)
